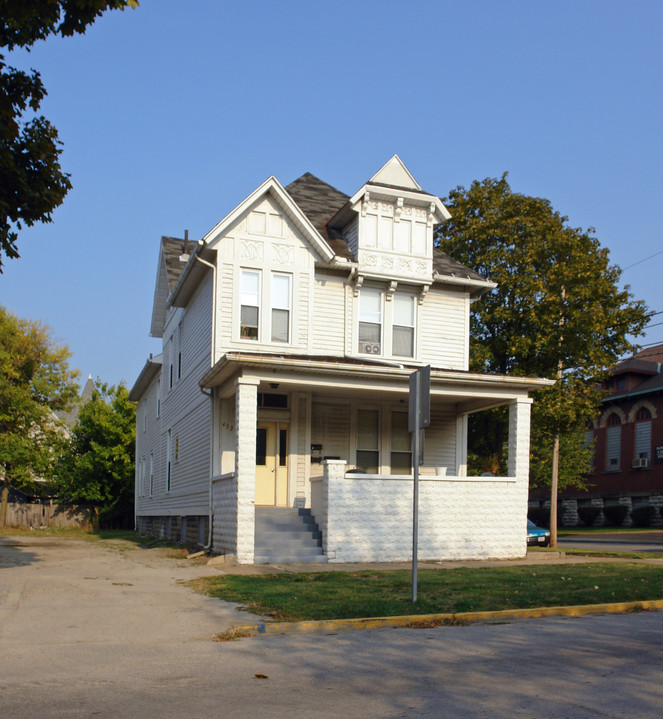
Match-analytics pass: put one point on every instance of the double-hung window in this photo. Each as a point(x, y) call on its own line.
point(280, 307)
point(613, 441)
point(643, 434)
point(250, 305)
point(403, 325)
point(368, 440)
point(401, 444)
point(370, 321)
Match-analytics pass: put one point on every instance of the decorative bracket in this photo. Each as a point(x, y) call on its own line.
point(431, 215)
point(364, 204)
point(358, 283)
point(391, 290)
point(398, 210)
point(423, 293)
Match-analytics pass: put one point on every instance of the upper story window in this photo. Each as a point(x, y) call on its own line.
point(386, 328)
point(403, 325)
point(250, 305)
point(280, 308)
point(642, 435)
point(370, 321)
point(271, 292)
point(613, 443)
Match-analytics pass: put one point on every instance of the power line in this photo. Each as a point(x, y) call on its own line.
point(641, 261)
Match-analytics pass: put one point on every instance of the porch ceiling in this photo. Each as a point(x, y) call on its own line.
point(467, 391)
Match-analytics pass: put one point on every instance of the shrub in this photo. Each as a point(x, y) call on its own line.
point(642, 516)
point(589, 514)
point(615, 514)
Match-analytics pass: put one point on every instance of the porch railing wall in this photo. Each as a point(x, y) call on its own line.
point(369, 517)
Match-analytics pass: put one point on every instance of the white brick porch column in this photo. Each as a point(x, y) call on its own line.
point(332, 479)
point(519, 427)
point(246, 413)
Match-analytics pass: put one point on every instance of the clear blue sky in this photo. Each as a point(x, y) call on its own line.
point(171, 114)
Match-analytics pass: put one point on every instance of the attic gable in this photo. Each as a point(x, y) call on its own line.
point(395, 174)
point(273, 188)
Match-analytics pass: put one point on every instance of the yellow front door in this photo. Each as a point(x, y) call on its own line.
point(272, 464)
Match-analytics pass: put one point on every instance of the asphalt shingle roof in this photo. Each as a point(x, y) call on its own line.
point(320, 202)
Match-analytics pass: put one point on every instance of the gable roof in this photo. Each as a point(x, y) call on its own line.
point(320, 202)
point(301, 220)
point(169, 269)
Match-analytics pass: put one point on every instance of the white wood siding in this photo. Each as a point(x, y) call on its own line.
point(329, 316)
point(186, 411)
point(264, 239)
point(444, 328)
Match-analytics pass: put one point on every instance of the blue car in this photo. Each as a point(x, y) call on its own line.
point(536, 535)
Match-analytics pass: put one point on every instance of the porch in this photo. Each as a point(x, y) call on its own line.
point(338, 418)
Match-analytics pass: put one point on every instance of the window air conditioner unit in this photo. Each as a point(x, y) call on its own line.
point(370, 348)
point(640, 463)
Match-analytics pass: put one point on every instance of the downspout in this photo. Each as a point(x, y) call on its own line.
point(210, 521)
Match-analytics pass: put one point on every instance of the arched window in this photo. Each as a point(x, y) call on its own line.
point(642, 453)
point(613, 443)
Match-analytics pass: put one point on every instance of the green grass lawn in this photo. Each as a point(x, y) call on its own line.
point(344, 595)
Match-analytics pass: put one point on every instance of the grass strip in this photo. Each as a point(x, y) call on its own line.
point(345, 595)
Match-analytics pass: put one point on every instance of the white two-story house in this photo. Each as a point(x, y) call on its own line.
point(289, 334)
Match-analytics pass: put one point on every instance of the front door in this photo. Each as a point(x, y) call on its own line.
point(272, 464)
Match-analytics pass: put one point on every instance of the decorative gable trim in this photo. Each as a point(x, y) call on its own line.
point(394, 173)
point(274, 188)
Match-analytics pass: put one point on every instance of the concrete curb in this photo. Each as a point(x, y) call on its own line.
point(431, 620)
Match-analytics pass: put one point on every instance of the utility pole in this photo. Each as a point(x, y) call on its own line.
point(554, 481)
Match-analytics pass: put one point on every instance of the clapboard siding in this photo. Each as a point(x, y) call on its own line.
point(444, 327)
point(330, 427)
point(440, 439)
point(328, 326)
point(186, 412)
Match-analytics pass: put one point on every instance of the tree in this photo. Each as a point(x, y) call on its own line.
point(97, 467)
point(35, 382)
point(558, 311)
point(32, 183)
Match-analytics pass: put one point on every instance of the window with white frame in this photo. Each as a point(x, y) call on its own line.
point(387, 323)
point(265, 306)
point(368, 440)
point(249, 305)
point(401, 444)
point(403, 325)
point(281, 301)
point(370, 321)
point(158, 396)
point(151, 473)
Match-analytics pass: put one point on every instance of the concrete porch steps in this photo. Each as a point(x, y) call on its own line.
point(287, 535)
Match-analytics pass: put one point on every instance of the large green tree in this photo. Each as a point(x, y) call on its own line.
point(32, 183)
point(35, 382)
point(97, 467)
point(558, 312)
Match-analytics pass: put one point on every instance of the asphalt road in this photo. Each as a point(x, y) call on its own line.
point(645, 541)
point(92, 631)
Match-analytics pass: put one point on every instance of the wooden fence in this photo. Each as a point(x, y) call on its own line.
point(21, 514)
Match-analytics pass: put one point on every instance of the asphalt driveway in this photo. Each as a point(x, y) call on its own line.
point(104, 630)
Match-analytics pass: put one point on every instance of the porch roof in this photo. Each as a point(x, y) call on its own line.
point(469, 391)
